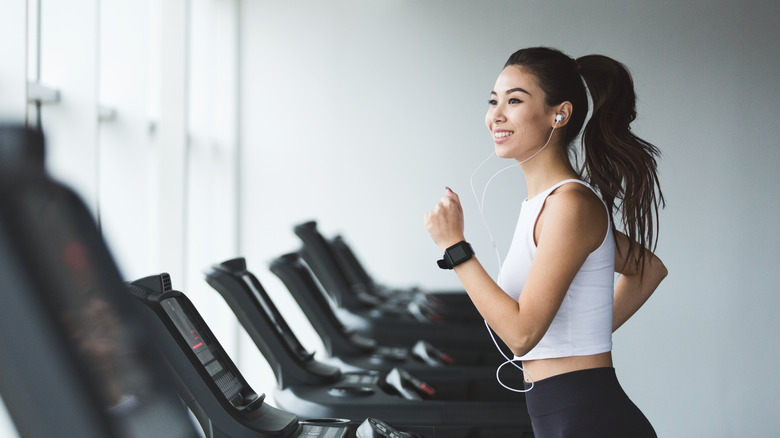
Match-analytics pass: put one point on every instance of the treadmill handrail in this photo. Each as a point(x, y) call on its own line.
point(302, 285)
point(319, 257)
point(290, 361)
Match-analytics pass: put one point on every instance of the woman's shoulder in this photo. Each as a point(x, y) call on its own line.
point(576, 194)
point(580, 206)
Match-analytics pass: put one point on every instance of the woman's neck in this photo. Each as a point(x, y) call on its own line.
point(547, 169)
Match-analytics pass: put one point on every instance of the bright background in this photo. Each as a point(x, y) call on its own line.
point(199, 130)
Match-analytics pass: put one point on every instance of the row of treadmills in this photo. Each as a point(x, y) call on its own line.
point(84, 353)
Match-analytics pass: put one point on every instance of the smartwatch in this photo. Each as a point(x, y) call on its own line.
point(455, 255)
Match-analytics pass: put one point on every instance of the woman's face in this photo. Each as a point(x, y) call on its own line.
point(518, 118)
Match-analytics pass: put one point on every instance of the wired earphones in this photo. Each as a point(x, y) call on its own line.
point(480, 207)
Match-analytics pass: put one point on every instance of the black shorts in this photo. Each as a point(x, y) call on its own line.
point(585, 404)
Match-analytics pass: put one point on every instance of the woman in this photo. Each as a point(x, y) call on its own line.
point(556, 303)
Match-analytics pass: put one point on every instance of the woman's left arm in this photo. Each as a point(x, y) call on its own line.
point(634, 286)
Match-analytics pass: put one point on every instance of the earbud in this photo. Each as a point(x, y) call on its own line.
point(558, 118)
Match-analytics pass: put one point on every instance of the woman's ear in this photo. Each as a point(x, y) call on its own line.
point(562, 114)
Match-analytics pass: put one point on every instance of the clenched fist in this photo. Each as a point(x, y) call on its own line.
point(445, 222)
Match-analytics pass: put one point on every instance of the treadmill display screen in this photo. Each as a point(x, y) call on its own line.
point(230, 386)
point(187, 330)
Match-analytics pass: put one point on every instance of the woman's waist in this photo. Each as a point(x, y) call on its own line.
point(540, 369)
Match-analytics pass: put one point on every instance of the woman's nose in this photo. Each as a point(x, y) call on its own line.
point(496, 115)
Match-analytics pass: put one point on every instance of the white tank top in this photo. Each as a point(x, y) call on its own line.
point(583, 324)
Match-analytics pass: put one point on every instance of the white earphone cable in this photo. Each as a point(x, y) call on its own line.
point(480, 208)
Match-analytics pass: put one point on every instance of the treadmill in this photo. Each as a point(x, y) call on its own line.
point(384, 321)
point(450, 305)
point(432, 343)
point(252, 305)
point(215, 389)
point(339, 341)
point(360, 351)
point(74, 359)
point(446, 397)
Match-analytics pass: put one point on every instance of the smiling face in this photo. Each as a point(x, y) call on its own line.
point(518, 118)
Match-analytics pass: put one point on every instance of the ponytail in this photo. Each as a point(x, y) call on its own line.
point(621, 165)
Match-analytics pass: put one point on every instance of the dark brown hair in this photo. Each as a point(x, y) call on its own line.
point(619, 164)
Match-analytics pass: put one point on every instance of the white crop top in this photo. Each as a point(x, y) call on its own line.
point(583, 324)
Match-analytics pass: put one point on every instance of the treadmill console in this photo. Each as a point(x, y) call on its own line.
point(195, 339)
point(79, 350)
point(235, 391)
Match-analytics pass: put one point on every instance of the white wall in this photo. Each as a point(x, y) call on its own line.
point(161, 174)
point(359, 113)
point(13, 99)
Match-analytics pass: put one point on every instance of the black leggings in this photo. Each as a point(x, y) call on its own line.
point(585, 404)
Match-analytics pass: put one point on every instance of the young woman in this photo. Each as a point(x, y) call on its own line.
point(556, 302)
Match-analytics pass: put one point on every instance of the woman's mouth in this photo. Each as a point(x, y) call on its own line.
point(501, 136)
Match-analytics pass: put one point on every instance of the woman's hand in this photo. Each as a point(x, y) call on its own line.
point(634, 286)
point(445, 222)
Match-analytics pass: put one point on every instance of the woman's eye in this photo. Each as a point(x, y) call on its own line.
point(513, 101)
point(492, 102)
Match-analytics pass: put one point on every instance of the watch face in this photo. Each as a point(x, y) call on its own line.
point(457, 253)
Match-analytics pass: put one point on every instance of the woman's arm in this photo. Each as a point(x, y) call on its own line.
point(633, 287)
point(570, 231)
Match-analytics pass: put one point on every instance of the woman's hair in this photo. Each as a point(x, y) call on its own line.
point(619, 164)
